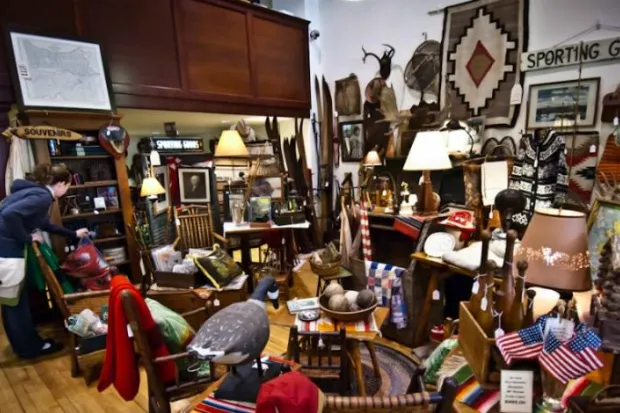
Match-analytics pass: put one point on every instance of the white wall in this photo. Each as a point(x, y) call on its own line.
point(346, 26)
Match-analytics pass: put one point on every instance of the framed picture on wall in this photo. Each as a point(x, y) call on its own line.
point(58, 73)
point(352, 141)
point(163, 201)
point(603, 223)
point(550, 102)
point(194, 185)
point(271, 186)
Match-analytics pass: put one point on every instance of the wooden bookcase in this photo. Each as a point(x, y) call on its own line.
point(90, 123)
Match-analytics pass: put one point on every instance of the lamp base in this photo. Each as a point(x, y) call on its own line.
point(426, 203)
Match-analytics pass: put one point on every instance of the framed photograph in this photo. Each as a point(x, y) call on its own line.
point(271, 186)
point(548, 102)
point(163, 201)
point(603, 223)
point(58, 73)
point(194, 185)
point(352, 141)
point(110, 195)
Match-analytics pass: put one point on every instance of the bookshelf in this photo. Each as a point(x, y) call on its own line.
point(98, 175)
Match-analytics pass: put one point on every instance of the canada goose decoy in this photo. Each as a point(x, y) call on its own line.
point(238, 333)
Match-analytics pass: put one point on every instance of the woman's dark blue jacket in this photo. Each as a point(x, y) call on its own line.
point(25, 210)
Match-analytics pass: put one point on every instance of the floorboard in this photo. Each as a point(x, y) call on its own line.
point(46, 385)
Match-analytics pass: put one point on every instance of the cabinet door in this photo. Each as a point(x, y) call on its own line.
point(138, 40)
point(214, 43)
point(51, 18)
point(280, 60)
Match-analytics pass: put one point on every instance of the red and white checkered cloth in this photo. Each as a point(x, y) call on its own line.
point(365, 230)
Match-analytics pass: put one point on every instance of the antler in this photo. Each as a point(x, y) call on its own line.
point(392, 50)
point(366, 54)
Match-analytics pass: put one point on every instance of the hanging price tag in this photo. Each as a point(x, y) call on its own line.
point(216, 302)
point(475, 287)
point(616, 121)
point(483, 304)
point(592, 148)
point(436, 295)
point(499, 332)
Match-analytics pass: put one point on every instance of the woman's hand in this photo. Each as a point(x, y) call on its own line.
point(81, 233)
point(36, 237)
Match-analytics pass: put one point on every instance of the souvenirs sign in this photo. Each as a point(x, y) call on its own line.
point(45, 132)
point(571, 54)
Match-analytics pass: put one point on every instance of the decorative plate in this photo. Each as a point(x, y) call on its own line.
point(309, 315)
point(438, 244)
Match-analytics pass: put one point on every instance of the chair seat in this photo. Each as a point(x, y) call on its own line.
point(321, 374)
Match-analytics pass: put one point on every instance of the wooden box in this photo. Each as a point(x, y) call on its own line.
point(475, 344)
point(179, 280)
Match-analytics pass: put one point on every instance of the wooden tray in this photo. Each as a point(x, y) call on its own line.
point(476, 346)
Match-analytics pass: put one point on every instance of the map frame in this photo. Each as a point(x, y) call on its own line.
point(101, 75)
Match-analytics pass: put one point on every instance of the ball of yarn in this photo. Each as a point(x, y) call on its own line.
point(333, 289)
point(338, 303)
point(366, 298)
point(351, 297)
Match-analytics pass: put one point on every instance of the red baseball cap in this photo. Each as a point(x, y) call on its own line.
point(290, 393)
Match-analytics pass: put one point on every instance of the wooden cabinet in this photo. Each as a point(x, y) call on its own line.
point(223, 56)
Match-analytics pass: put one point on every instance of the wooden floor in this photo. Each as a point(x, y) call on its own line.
point(45, 385)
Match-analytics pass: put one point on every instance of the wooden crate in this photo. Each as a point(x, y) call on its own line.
point(475, 344)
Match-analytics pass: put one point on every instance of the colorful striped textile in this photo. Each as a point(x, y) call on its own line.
point(326, 325)
point(365, 231)
point(386, 282)
point(411, 226)
point(471, 393)
point(580, 387)
point(211, 405)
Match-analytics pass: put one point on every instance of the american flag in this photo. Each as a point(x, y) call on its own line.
point(560, 361)
point(523, 344)
point(585, 345)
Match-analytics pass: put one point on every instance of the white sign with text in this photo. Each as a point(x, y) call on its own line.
point(516, 391)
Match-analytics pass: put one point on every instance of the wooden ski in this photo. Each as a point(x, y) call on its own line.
point(327, 163)
point(301, 148)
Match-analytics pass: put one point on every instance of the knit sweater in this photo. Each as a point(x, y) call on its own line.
point(540, 173)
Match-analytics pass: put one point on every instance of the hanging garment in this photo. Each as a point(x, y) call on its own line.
point(385, 280)
point(540, 173)
point(20, 162)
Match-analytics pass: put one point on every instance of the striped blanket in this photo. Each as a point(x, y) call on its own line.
point(211, 405)
point(326, 325)
point(471, 393)
point(386, 282)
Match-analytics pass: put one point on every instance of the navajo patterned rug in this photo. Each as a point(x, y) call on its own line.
point(482, 42)
point(582, 163)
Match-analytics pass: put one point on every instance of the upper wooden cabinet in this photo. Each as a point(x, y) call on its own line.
point(221, 56)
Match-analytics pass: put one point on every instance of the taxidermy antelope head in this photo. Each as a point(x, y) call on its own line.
point(607, 187)
point(385, 61)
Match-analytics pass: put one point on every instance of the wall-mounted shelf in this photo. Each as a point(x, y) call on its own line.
point(86, 215)
point(109, 239)
point(77, 158)
point(94, 184)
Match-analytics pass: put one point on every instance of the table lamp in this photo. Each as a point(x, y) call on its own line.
point(428, 153)
point(230, 145)
point(371, 159)
point(151, 188)
point(555, 245)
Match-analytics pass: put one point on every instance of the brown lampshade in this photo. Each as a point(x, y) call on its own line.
point(230, 145)
point(372, 158)
point(555, 246)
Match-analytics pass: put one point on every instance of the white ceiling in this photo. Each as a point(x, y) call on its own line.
point(141, 122)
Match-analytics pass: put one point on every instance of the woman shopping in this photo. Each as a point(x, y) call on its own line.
point(22, 213)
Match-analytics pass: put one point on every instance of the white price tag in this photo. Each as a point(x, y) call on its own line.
point(516, 391)
point(436, 295)
point(499, 332)
point(483, 304)
point(216, 302)
point(562, 329)
point(616, 121)
point(592, 148)
point(177, 222)
point(475, 287)
point(129, 332)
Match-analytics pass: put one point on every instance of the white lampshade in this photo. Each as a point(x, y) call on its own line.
point(372, 158)
point(428, 153)
point(151, 187)
point(544, 301)
point(231, 145)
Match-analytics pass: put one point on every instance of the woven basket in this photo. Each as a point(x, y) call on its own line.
point(325, 270)
point(349, 315)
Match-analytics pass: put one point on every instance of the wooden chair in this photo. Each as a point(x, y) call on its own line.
point(73, 304)
point(160, 394)
point(195, 228)
point(323, 363)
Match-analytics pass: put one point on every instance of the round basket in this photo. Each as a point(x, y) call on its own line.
point(348, 316)
point(325, 270)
